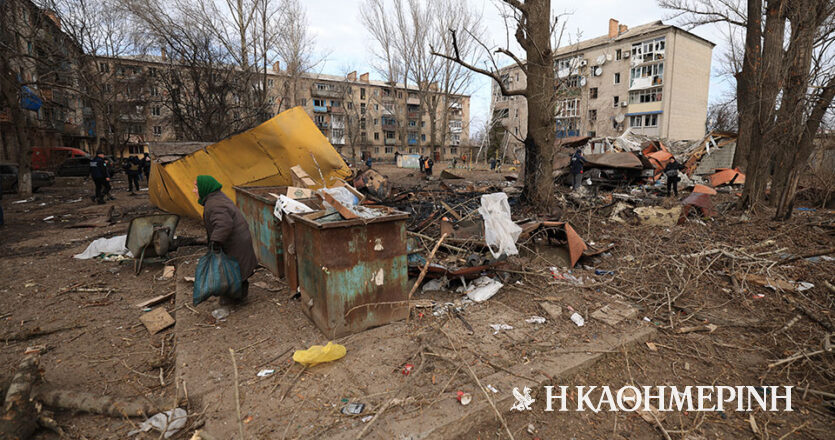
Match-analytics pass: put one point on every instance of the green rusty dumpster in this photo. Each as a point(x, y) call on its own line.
point(257, 205)
point(352, 274)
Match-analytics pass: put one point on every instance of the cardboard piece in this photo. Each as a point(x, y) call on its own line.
point(157, 320)
point(301, 178)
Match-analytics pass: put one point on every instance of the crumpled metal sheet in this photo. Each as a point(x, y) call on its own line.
point(724, 176)
point(614, 160)
point(261, 156)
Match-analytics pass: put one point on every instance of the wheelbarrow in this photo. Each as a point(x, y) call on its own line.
point(151, 237)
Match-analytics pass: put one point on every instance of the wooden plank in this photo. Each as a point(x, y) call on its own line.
point(157, 320)
point(343, 211)
point(451, 211)
point(155, 300)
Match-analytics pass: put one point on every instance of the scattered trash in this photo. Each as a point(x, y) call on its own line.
point(500, 233)
point(652, 346)
point(483, 288)
point(287, 205)
point(553, 310)
point(493, 389)
point(23, 201)
point(266, 372)
point(531, 428)
point(366, 419)
point(220, 314)
point(658, 216)
point(710, 328)
point(802, 285)
point(353, 409)
point(111, 246)
point(188, 279)
point(168, 422)
point(434, 285)
point(567, 276)
point(318, 354)
point(535, 320)
point(407, 369)
point(464, 398)
point(603, 272)
point(51, 217)
point(614, 312)
point(578, 319)
point(167, 273)
point(499, 327)
point(157, 320)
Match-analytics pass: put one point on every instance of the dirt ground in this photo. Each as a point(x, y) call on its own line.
point(677, 276)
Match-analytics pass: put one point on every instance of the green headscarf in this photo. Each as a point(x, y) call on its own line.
point(205, 186)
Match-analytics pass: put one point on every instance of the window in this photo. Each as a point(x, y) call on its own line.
point(453, 150)
point(643, 120)
point(154, 91)
point(362, 92)
point(109, 88)
point(592, 134)
point(423, 138)
point(422, 124)
point(399, 94)
point(500, 113)
point(157, 130)
point(155, 110)
point(593, 93)
point(376, 150)
point(592, 115)
point(270, 82)
point(389, 150)
point(335, 103)
point(653, 72)
point(568, 108)
point(617, 78)
point(572, 82)
point(647, 95)
point(375, 122)
point(362, 108)
point(350, 106)
point(376, 136)
point(618, 54)
point(376, 107)
point(362, 123)
point(412, 123)
point(319, 119)
point(304, 101)
point(363, 136)
point(615, 101)
point(104, 67)
point(318, 102)
point(650, 50)
point(517, 113)
point(389, 135)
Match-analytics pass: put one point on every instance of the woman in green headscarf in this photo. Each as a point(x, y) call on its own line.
point(227, 229)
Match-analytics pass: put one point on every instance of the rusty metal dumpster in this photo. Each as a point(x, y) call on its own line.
point(352, 274)
point(257, 205)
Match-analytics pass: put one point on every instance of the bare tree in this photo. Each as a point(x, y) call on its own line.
point(295, 48)
point(534, 28)
point(784, 89)
point(722, 116)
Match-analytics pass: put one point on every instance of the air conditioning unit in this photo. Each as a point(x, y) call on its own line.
point(584, 63)
point(623, 103)
point(626, 54)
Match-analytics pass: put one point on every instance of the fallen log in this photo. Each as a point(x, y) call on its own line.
point(95, 404)
point(20, 419)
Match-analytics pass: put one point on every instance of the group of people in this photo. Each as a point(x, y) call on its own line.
point(101, 171)
point(578, 161)
point(426, 164)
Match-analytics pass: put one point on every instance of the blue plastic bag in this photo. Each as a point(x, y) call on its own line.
point(217, 274)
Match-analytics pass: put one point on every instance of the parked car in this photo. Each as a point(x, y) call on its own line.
point(8, 177)
point(49, 158)
point(80, 167)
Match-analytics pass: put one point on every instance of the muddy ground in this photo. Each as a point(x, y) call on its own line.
point(675, 276)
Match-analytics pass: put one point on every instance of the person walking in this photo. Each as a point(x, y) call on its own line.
point(671, 172)
point(422, 164)
point(146, 167)
point(429, 164)
point(369, 162)
point(492, 163)
point(100, 173)
point(576, 164)
point(133, 170)
point(226, 229)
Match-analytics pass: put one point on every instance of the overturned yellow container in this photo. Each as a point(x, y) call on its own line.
point(261, 156)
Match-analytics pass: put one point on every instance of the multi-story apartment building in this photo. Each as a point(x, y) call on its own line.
point(651, 79)
point(40, 64)
point(359, 116)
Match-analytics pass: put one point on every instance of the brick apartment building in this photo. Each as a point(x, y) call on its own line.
point(652, 79)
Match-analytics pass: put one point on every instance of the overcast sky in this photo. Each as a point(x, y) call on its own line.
point(341, 36)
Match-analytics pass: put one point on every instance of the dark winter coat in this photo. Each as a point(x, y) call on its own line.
point(226, 225)
point(134, 166)
point(99, 169)
point(577, 161)
point(672, 169)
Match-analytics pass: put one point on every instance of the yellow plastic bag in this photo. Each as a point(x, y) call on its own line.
point(318, 354)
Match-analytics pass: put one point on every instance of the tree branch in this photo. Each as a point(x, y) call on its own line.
point(494, 75)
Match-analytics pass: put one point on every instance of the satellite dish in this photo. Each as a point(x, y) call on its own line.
point(583, 81)
point(619, 118)
point(601, 59)
point(609, 57)
point(598, 71)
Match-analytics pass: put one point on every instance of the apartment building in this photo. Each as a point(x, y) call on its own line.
point(652, 79)
point(44, 64)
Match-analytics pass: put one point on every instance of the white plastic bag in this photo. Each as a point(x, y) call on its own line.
point(289, 206)
point(168, 422)
point(500, 232)
point(341, 195)
point(114, 245)
point(483, 288)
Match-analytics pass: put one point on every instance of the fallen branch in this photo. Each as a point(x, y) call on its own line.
point(817, 253)
point(423, 271)
point(237, 394)
point(24, 335)
point(91, 403)
point(795, 357)
point(19, 419)
point(445, 245)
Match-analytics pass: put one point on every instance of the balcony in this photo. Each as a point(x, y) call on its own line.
point(413, 115)
point(325, 93)
point(413, 141)
point(322, 125)
point(413, 100)
point(320, 108)
point(338, 110)
point(389, 126)
point(391, 141)
point(455, 105)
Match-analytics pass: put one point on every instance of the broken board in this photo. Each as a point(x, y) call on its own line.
point(614, 312)
point(157, 320)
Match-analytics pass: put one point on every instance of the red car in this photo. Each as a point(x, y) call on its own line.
point(48, 158)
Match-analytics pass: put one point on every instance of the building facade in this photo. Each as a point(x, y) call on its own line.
point(652, 80)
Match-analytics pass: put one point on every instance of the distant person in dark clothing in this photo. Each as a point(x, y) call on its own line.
point(576, 165)
point(133, 170)
point(100, 173)
point(492, 163)
point(671, 172)
point(455, 162)
point(421, 164)
point(368, 162)
point(428, 165)
point(146, 167)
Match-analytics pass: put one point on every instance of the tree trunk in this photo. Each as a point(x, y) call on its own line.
point(539, 142)
point(761, 142)
point(746, 83)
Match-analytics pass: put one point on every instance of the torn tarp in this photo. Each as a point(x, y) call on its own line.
point(261, 156)
point(726, 176)
point(614, 160)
